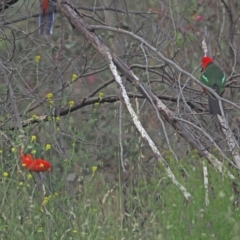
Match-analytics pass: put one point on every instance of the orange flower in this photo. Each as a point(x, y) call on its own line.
point(35, 165)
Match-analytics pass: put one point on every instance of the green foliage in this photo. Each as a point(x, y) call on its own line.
point(92, 208)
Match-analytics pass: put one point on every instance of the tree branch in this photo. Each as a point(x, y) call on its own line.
point(76, 19)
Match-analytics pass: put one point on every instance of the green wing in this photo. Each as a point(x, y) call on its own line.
point(213, 75)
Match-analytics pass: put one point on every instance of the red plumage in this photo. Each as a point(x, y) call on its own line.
point(45, 6)
point(206, 61)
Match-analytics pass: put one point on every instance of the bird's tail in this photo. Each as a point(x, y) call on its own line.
point(213, 102)
point(46, 17)
point(46, 21)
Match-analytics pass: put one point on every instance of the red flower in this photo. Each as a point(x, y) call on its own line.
point(35, 165)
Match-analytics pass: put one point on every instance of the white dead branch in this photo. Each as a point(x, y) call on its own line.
point(140, 128)
point(205, 181)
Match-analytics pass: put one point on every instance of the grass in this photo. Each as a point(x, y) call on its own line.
point(152, 208)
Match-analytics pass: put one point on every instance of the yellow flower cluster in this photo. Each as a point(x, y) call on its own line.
point(33, 138)
point(37, 59)
point(101, 95)
point(71, 103)
point(33, 152)
point(50, 98)
point(34, 117)
point(49, 95)
point(74, 77)
point(48, 146)
point(46, 200)
point(57, 119)
point(94, 169)
point(29, 176)
point(96, 105)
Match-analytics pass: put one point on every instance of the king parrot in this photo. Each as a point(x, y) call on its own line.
point(213, 77)
point(46, 17)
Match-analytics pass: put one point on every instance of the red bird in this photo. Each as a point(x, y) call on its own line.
point(46, 17)
point(34, 165)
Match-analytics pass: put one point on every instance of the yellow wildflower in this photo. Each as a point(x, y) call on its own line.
point(46, 200)
point(5, 174)
point(57, 119)
point(101, 95)
point(74, 77)
point(33, 152)
point(48, 146)
point(21, 184)
point(49, 96)
point(33, 138)
point(74, 231)
point(29, 176)
point(94, 169)
point(13, 149)
point(34, 117)
point(71, 103)
point(37, 58)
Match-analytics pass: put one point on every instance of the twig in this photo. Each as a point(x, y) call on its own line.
point(120, 135)
point(205, 180)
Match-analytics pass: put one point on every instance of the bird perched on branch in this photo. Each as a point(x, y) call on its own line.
point(213, 77)
point(46, 17)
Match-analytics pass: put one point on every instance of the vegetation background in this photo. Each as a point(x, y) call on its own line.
point(107, 181)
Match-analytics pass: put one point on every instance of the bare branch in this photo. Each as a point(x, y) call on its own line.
point(141, 130)
point(76, 19)
point(205, 181)
point(206, 46)
point(167, 60)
